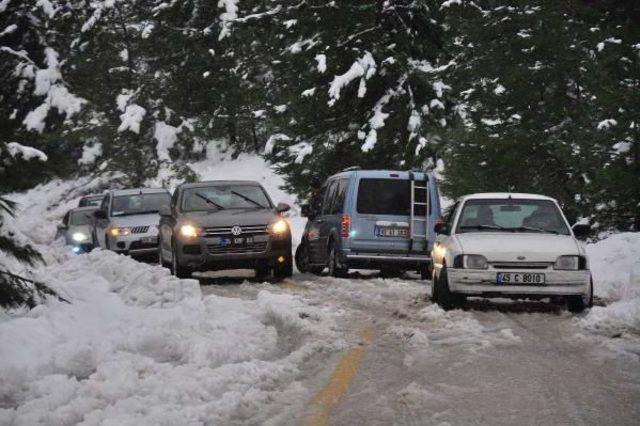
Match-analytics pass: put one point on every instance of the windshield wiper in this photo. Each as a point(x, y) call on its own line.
point(210, 201)
point(244, 197)
point(534, 229)
point(496, 227)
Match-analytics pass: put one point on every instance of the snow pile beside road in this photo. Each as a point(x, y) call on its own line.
point(137, 346)
point(615, 264)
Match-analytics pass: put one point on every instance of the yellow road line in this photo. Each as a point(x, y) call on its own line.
point(327, 399)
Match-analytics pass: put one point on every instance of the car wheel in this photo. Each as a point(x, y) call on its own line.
point(303, 260)
point(443, 296)
point(106, 242)
point(177, 269)
point(426, 272)
point(283, 270)
point(577, 304)
point(335, 269)
point(263, 272)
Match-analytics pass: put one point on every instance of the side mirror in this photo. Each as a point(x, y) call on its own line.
point(305, 210)
point(283, 207)
point(581, 231)
point(442, 228)
point(100, 214)
point(164, 211)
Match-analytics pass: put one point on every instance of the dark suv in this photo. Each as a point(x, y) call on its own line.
point(220, 225)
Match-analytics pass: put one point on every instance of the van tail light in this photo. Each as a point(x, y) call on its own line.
point(346, 225)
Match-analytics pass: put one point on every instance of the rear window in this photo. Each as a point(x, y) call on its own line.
point(384, 197)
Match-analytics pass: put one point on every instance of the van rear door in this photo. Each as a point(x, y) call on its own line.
point(381, 214)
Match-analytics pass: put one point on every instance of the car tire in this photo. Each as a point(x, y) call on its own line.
point(283, 270)
point(263, 272)
point(442, 295)
point(426, 272)
point(335, 269)
point(577, 304)
point(106, 242)
point(177, 269)
point(303, 260)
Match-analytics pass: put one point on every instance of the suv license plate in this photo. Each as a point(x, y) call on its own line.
point(393, 231)
point(236, 242)
point(150, 240)
point(520, 278)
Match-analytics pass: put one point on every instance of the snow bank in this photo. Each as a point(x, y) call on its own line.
point(615, 264)
point(137, 346)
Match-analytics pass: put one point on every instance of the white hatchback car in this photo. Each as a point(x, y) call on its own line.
point(510, 245)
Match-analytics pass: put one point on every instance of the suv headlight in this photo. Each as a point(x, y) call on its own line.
point(567, 263)
point(474, 261)
point(190, 231)
point(116, 231)
point(279, 227)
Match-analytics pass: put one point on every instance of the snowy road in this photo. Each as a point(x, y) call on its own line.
point(409, 362)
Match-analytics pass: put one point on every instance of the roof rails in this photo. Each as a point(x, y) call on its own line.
point(351, 169)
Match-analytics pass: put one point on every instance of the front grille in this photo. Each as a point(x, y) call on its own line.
point(257, 247)
point(140, 229)
point(226, 230)
point(521, 265)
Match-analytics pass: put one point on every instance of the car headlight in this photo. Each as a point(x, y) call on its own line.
point(474, 261)
point(279, 227)
point(79, 237)
point(190, 231)
point(567, 263)
point(116, 232)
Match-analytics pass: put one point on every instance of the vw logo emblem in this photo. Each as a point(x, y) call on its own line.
point(236, 230)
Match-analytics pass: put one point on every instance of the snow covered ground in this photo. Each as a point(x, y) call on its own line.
point(137, 346)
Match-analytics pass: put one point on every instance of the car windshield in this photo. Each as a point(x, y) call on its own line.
point(511, 215)
point(124, 205)
point(78, 218)
point(222, 197)
point(384, 197)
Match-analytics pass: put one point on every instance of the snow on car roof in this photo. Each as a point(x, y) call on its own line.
point(506, 195)
point(134, 191)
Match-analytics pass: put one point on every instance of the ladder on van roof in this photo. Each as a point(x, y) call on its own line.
point(413, 220)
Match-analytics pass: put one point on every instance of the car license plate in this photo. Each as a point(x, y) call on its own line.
point(149, 240)
point(520, 278)
point(236, 242)
point(393, 231)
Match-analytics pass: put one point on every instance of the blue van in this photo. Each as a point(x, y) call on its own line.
point(371, 219)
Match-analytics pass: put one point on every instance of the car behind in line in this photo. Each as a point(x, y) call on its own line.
point(510, 245)
point(127, 220)
point(76, 229)
point(92, 200)
point(220, 225)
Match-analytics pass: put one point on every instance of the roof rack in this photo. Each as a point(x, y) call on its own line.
point(351, 169)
